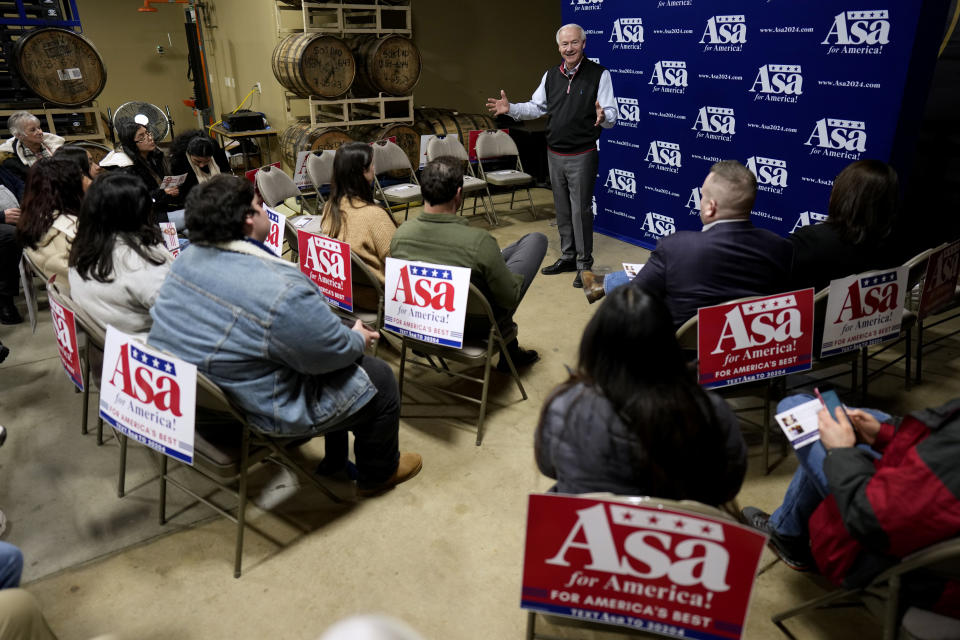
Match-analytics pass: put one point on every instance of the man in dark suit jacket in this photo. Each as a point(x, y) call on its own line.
point(729, 258)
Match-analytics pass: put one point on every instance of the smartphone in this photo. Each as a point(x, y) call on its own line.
point(830, 401)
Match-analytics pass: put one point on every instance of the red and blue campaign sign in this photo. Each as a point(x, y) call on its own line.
point(760, 338)
point(65, 329)
point(863, 310)
point(148, 395)
point(940, 281)
point(275, 237)
point(327, 263)
point(425, 301)
point(638, 565)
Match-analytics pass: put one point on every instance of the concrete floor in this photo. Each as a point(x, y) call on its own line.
point(443, 552)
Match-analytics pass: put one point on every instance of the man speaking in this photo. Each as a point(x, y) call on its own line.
point(578, 97)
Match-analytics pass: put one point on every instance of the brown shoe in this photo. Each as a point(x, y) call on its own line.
point(592, 286)
point(408, 466)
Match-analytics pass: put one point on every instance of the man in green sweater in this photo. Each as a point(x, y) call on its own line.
point(440, 236)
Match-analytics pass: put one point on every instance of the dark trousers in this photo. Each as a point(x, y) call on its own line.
point(572, 179)
point(9, 259)
point(375, 427)
point(524, 258)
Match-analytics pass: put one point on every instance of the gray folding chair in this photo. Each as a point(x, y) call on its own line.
point(276, 187)
point(320, 172)
point(388, 157)
point(498, 145)
point(472, 185)
point(475, 352)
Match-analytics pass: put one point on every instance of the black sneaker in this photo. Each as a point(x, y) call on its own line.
point(792, 551)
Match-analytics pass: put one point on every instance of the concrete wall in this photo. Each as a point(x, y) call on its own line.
point(463, 61)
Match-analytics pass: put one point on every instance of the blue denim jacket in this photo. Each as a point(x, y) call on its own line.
point(260, 329)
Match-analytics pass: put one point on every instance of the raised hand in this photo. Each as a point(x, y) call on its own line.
point(499, 107)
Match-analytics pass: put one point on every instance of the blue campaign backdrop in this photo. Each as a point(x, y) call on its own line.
point(796, 91)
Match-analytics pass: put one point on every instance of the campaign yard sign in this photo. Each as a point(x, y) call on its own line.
point(863, 309)
point(425, 301)
point(148, 395)
point(654, 569)
point(65, 330)
point(327, 263)
point(761, 338)
point(300, 177)
point(940, 282)
point(275, 237)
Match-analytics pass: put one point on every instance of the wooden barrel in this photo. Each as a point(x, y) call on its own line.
point(389, 65)
point(60, 66)
point(97, 151)
point(302, 136)
point(443, 122)
point(313, 64)
point(407, 138)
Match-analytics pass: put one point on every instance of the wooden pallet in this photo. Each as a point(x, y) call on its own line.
point(93, 125)
point(350, 111)
point(343, 18)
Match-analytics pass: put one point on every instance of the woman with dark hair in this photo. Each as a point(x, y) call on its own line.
point(856, 234)
point(351, 216)
point(138, 155)
point(195, 154)
point(48, 214)
point(118, 260)
point(82, 157)
point(632, 420)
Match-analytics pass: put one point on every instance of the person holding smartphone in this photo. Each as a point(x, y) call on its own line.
point(874, 489)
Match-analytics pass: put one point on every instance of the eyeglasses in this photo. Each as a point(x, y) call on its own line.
point(144, 137)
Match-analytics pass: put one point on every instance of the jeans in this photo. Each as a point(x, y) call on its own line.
point(375, 428)
point(613, 280)
point(11, 566)
point(809, 485)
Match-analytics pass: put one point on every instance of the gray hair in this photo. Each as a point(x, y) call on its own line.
point(16, 121)
point(738, 187)
point(583, 34)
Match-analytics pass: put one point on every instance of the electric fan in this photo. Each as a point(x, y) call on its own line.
point(149, 115)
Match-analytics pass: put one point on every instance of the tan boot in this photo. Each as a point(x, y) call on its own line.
point(408, 466)
point(592, 286)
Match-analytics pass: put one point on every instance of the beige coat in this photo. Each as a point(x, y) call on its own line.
point(53, 250)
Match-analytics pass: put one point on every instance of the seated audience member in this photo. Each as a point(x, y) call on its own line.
point(28, 144)
point(440, 236)
point(11, 565)
point(632, 419)
point(854, 510)
point(48, 216)
point(9, 257)
point(118, 260)
point(351, 216)
point(261, 331)
point(729, 258)
point(82, 157)
point(195, 154)
point(856, 234)
point(138, 155)
point(21, 617)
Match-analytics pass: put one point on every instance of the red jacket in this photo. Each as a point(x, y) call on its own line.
point(881, 510)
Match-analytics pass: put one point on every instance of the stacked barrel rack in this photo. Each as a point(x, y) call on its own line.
point(49, 69)
point(327, 50)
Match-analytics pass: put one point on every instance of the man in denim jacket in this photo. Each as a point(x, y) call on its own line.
point(260, 330)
